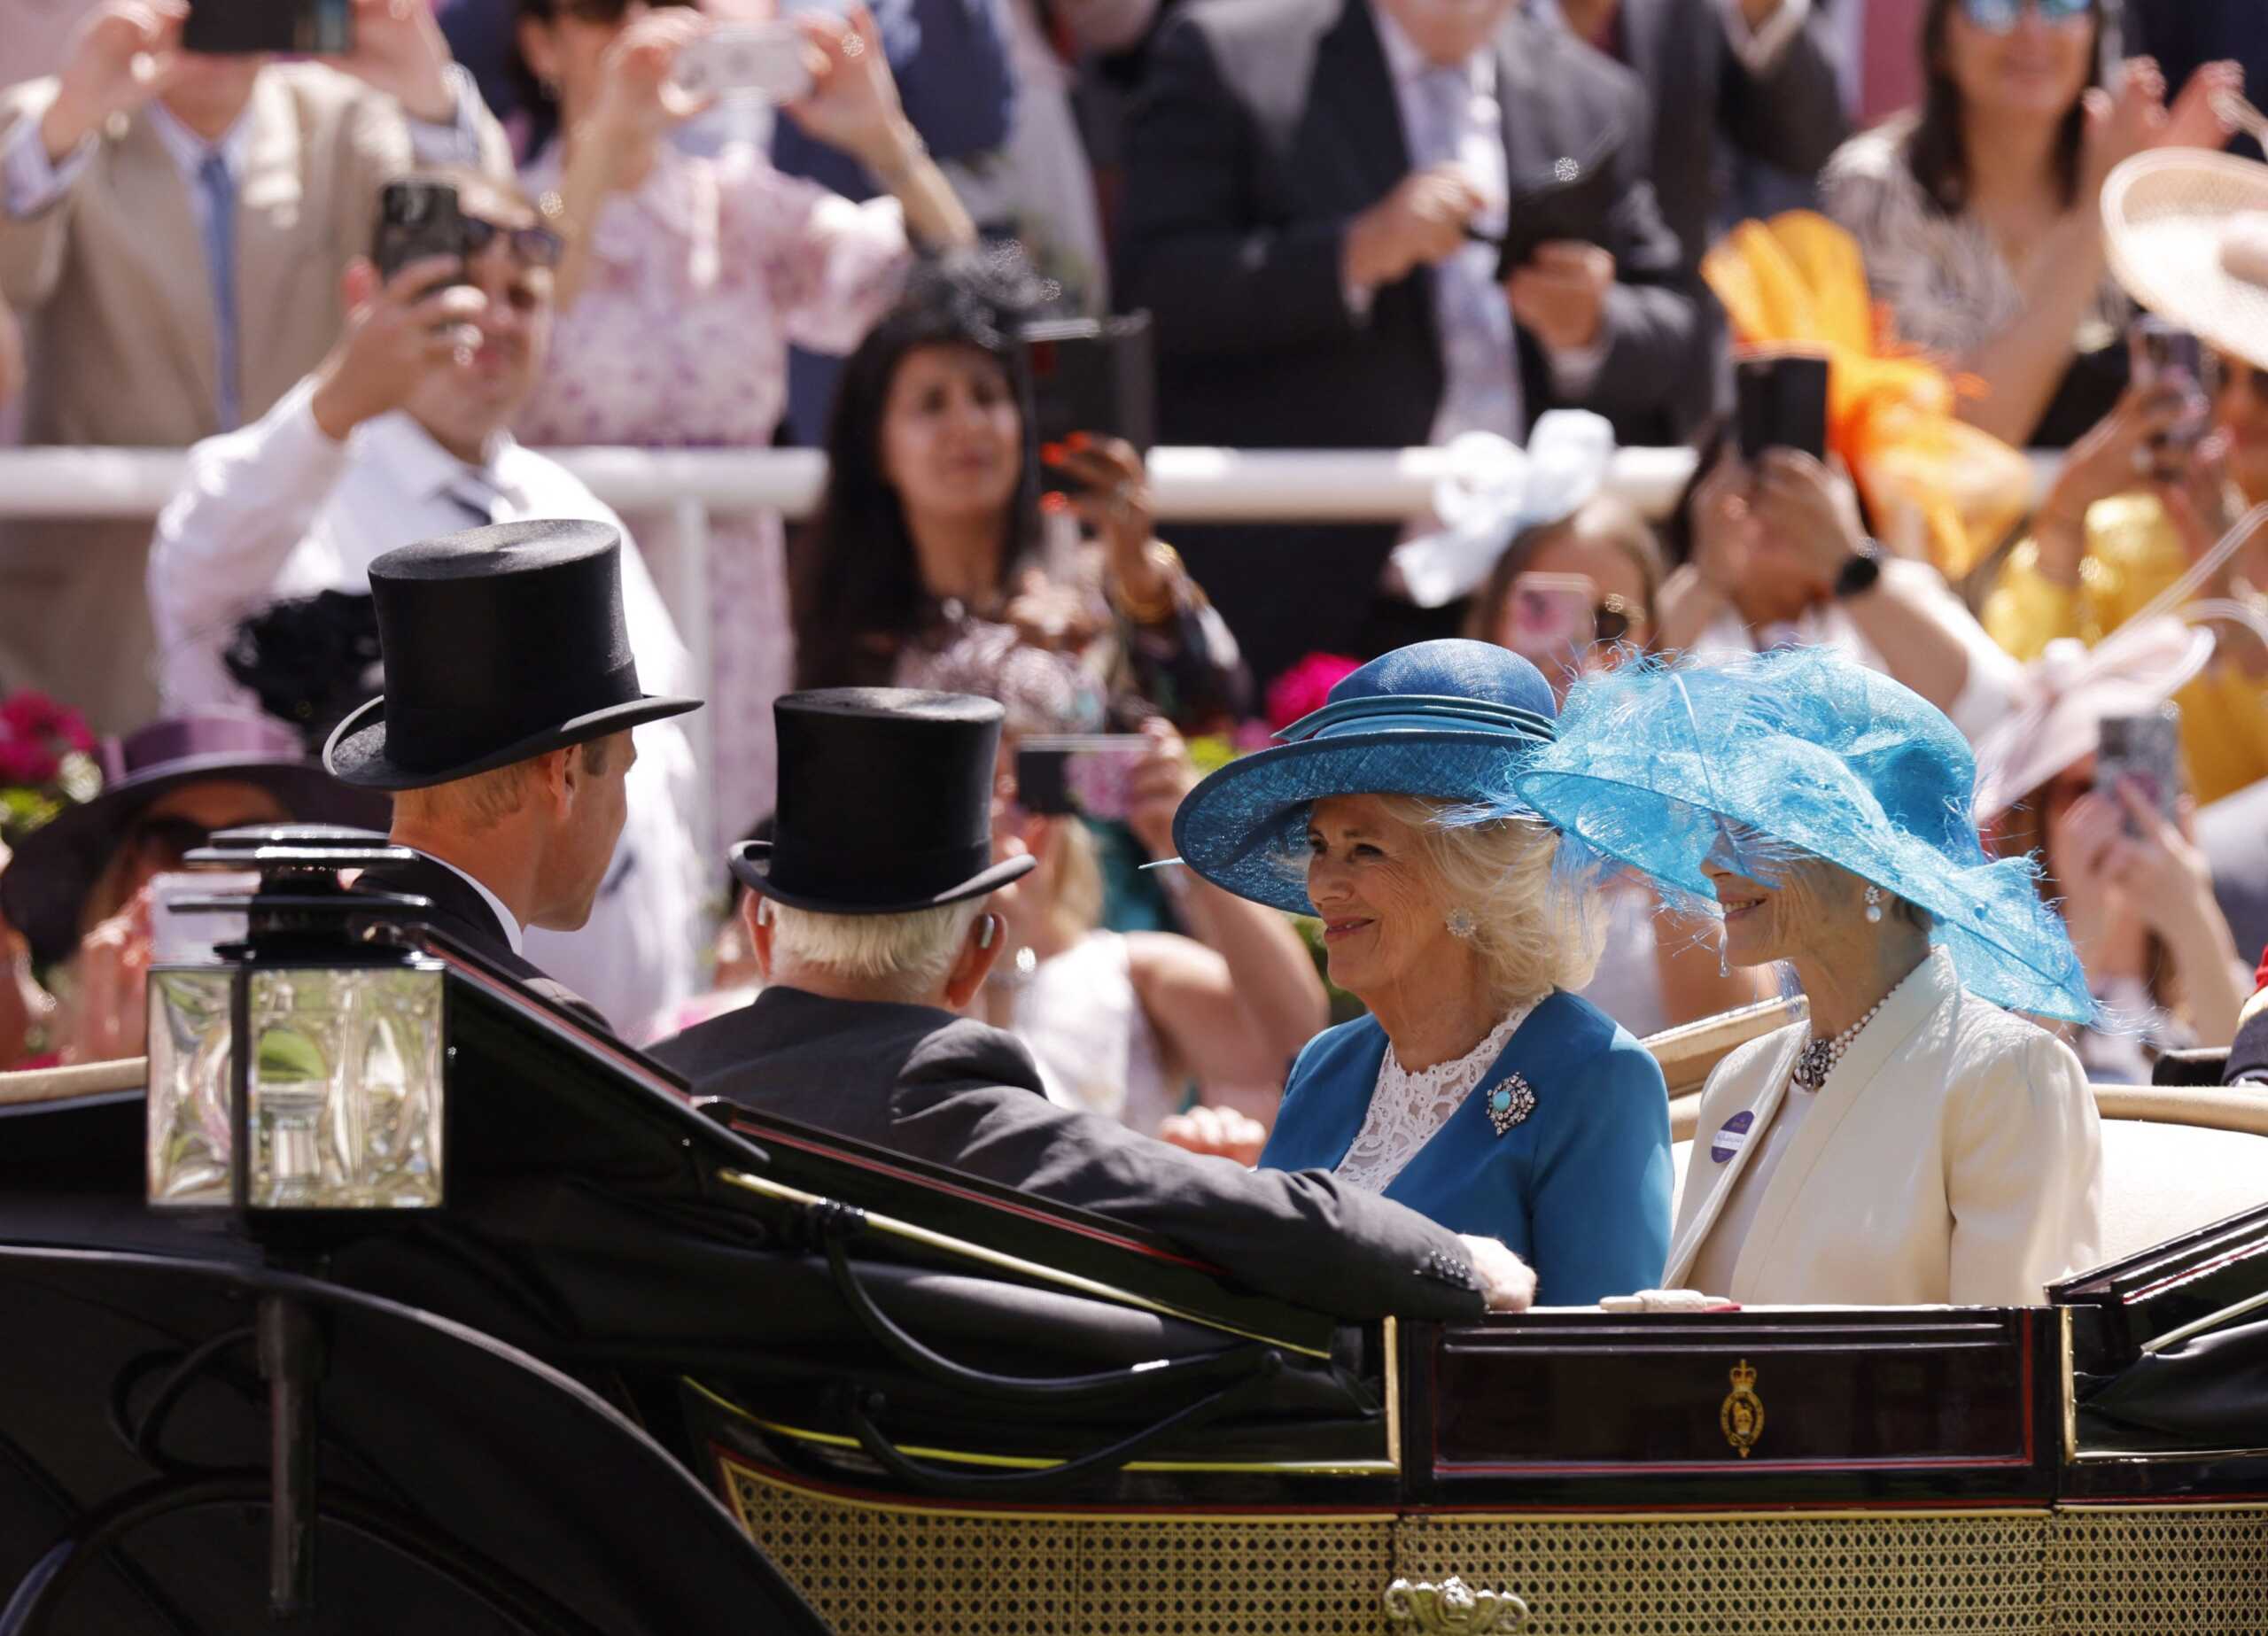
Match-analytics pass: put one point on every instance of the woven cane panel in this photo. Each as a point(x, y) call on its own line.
point(2121, 1572)
point(884, 1573)
point(1957, 1575)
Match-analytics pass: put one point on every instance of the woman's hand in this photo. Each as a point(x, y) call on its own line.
point(853, 102)
point(639, 98)
point(2080, 839)
point(1221, 1133)
point(1117, 506)
point(2195, 120)
point(1724, 526)
point(2162, 872)
point(2109, 460)
point(399, 50)
point(107, 1018)
point(2119, 123)
point(1807, 511)
point(1162, 779)
point(1507, 1282)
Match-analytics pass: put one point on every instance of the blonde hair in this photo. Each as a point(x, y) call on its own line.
point(1533, 931)
point(905, 957)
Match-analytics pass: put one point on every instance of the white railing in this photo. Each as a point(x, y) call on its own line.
point(1190, 485)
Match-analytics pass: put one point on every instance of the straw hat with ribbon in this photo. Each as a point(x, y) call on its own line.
point(2066, 693)
point(2187, 232)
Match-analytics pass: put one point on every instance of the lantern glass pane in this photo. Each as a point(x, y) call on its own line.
point(190, 1139)
point(345, 1089)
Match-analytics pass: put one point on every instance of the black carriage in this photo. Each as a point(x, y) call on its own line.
point(391, 1298)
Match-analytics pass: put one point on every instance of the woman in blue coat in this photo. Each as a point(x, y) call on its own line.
point(1477, 1091)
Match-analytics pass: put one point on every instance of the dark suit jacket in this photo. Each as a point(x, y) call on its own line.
point(1703, 95)
point(957, 1092)
point(463, 914)
point(1264, 127)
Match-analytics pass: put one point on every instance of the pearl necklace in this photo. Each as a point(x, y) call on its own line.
point(1817, 1058)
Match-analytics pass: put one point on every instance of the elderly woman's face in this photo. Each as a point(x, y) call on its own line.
point(1384, 920)
point(1804, 906)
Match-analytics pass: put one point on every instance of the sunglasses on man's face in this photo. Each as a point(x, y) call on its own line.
point(2001, 16)
point(531, 246)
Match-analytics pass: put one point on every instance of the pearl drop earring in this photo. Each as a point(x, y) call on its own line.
point(1874, 905)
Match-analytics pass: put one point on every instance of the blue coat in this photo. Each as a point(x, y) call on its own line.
point(1580, 1190)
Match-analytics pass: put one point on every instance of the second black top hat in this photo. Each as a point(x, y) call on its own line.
point(499, 643)
point(885, 802)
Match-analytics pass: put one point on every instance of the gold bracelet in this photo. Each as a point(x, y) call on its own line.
point(1161, 608)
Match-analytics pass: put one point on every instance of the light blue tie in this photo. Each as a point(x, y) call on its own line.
point(219, 190)
point(1483, 387)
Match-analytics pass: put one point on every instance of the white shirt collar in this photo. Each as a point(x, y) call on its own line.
point(188, 149)
point(505, 919)
point(1405, 63)
point(418, 468)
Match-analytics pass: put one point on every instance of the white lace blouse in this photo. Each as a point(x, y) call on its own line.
point(1407, 1109)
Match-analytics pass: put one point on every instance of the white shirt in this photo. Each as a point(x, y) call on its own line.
point(278, 509)
point(1993, 673)
point(33, 181)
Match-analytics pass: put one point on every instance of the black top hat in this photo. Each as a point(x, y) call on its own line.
point(42, 892)
point(885, 804)
point(499, 643)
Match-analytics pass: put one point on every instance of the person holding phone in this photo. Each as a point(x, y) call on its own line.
point(1978, 211)
point(1320, 209)
point(937, 561)
point(1776, 553)
point(685, 277)
point(2139, 499)
point(167, 291)
point(2085, 778)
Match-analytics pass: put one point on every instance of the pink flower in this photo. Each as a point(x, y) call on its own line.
point(24, 761)
point(34, 719)
point(1306, 688)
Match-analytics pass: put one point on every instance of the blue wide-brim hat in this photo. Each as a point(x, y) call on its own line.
point(1446, 720)
point(1764, 757)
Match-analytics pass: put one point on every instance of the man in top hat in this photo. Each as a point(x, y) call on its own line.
point(503, 734)
point(868, 912)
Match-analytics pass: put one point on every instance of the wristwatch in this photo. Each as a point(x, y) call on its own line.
point(1859, 572)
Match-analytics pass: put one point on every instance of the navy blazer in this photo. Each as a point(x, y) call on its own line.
point(1580, 1190)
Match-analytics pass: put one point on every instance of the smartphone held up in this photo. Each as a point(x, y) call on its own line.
point(1092, 376)
point(1781, 403)
point(264, 28)
point(770, 61)
point(1085, 775)
point(2144, 751)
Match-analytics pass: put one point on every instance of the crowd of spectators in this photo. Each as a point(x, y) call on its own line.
point(1321, 206)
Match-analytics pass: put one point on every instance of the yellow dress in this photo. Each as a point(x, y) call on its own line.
point(2134, 553)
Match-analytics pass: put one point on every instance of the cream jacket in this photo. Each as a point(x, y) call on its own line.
point(1953, 1157)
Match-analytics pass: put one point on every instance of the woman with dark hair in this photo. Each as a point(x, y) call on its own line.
point(935, 563)
point(1977, 212)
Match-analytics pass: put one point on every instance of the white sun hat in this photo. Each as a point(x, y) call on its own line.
point(2187, 232)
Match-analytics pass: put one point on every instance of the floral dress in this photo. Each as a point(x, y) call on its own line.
point(698, 281)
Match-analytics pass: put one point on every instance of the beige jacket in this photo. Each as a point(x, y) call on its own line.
point(110, 281)
point(1953, 1157)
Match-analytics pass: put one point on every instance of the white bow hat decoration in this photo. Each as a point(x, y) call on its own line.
point(2067, 692)
point(1493, 490)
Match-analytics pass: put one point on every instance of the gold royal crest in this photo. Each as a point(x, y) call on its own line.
point(1742, 1414)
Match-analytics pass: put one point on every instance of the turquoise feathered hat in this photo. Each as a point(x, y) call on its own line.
point(1800, 751)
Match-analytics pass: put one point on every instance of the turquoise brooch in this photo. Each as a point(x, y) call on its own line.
point(1511, 1103)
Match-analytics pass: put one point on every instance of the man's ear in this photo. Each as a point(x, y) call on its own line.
point(754, 916)
point(561, 775)
point(978, 952)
